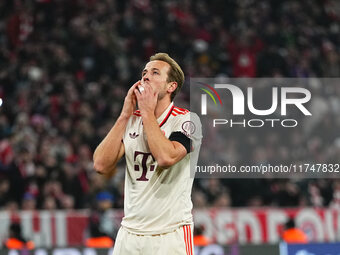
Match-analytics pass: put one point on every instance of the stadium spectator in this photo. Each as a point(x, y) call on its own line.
point(97, 238)
point(4, 191)
point(15, 239)
point(292, 234)
point(104, 202)
point(29, 202)
point(199, 238)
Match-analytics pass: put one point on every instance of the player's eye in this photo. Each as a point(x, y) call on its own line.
point(154, 72)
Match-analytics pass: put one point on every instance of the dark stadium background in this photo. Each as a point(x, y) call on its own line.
point(65, 66)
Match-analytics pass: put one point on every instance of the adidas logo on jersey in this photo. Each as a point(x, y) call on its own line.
point(133, 135)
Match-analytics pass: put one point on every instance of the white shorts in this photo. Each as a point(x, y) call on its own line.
point(177, 242)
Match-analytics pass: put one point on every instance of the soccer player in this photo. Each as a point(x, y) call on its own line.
point(159, 141)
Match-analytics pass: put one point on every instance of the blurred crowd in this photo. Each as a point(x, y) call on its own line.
point(65, 66)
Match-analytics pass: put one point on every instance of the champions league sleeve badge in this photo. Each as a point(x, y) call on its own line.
point(188, 128)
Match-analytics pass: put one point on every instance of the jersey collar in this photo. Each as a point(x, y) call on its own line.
point(165, 115)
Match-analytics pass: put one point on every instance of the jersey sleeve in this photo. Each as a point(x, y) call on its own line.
point(126, 129)
point(187, 130)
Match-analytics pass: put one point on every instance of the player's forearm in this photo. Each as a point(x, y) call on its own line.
point(161, 148)
point(106, 154)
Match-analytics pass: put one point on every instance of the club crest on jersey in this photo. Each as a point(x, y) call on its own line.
point(133, 135)
point(188, 128)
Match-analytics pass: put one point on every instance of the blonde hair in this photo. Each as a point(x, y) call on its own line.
point(175, 72)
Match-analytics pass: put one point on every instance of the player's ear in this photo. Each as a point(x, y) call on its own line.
point(172, 86)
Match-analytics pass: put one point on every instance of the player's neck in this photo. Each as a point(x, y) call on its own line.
point(161, 106)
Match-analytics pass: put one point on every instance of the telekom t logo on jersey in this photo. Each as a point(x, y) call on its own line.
point(239, 98)
point(145, 157)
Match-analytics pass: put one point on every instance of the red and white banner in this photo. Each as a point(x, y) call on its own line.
point(257, 226)
point(224, 226)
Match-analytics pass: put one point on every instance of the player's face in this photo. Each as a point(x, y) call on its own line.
point(155, 74)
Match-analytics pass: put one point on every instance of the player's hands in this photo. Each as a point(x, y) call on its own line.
point(130, 101)
point(146, 98)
